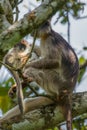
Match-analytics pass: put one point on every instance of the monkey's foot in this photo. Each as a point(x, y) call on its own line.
point(12, 91)
point(27, 79)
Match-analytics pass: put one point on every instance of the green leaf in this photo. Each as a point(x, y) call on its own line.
point(5, 102)
point(64, 20)
point(3, 91)
point(82, 71)
point(55, 128)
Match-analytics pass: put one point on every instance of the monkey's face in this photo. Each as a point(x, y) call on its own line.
point(44, 30)
point(18, 55)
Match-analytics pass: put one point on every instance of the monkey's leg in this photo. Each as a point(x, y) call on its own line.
point(68, 112)
point(31, 74)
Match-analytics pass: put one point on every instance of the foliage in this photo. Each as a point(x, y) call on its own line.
point(72, 8)
point(82, 60)
point(5, 101)
point(80, 123)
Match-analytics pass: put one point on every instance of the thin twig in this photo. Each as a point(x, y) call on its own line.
point(17, 13)
point(33, 90)
point(30, 54)
point(57, 20)
point(83, 17)
point(35, 35)
point(20, 2)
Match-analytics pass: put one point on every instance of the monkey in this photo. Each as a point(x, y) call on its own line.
point(20, 55)
point(57, 69)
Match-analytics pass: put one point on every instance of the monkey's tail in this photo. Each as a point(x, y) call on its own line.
point(19, 91)
point(67, 111)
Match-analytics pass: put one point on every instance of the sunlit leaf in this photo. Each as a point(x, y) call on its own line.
point(82, 71)
point(82, 60)
point(55, 128)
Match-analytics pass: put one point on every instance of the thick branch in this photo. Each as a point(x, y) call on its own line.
point(44, 118)
point(30, 22)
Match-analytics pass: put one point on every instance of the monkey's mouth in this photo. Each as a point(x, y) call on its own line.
point(25, 53)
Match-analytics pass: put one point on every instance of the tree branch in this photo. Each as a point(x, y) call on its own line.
point(30, 22)
point(83, 17)
point(39, 117)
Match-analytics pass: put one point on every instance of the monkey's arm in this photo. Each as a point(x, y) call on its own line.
point(44, 63)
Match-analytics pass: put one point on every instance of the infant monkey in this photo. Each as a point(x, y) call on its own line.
point(15, 59)
point(57, 69)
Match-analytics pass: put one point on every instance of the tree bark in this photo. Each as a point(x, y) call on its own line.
point(42, 113)
point(6, 9)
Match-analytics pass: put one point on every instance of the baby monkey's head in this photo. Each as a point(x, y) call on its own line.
point(18, 55)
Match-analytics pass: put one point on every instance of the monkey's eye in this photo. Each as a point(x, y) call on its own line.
point(20, 47)
point(46, 24)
